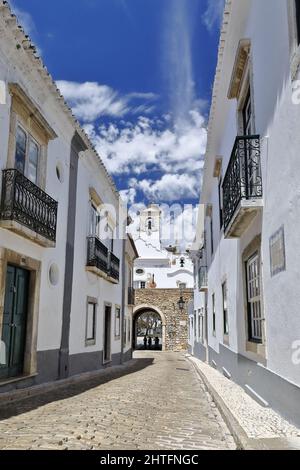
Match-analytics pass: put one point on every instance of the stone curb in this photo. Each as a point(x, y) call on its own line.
point(239, 435)
point(24, 393)
point(242, 440)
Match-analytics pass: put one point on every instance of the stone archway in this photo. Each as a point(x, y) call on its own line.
point(174, 321)
point(139, 310)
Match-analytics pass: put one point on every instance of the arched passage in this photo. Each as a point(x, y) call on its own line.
point(149, 328)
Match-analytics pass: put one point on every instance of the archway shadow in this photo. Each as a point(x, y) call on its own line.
point(63, 392)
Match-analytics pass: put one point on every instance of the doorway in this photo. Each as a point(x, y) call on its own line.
point(107, 334)
point(13, 334)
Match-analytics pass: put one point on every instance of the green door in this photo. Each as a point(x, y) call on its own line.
point(14, 322)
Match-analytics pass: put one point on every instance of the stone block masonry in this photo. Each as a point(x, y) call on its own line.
point(174, 320)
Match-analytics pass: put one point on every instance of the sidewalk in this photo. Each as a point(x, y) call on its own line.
point(252, 426)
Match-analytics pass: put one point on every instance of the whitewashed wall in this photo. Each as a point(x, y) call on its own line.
point(277, 119)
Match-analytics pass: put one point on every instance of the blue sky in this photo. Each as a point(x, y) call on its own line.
point(138, 75)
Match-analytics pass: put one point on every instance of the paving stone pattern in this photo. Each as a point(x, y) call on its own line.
point(160, 404)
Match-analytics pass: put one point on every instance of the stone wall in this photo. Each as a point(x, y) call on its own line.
point(175, 321)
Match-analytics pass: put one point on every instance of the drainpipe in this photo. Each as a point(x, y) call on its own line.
point(123, 275)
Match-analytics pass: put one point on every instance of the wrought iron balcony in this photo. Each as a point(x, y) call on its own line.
point(97, 255)
point(242, 186)
point(131, 296)
point(202, 278)
point(114, 267)
point(23, 204)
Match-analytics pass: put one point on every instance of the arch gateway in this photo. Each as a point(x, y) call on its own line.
point(163, 303)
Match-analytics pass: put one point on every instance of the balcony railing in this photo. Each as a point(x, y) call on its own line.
point(131, 296)
point(243, 179)
point(97, 255)
point(24, 202)
point(202, 278)
point(114, 267)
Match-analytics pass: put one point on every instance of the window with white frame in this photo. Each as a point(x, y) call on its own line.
point(94, 221)
point(255, 315)
point(90, 332)
point(100, 229)
point(117, 322)
point(225, 309)
point(201, 325)
point(27, 154)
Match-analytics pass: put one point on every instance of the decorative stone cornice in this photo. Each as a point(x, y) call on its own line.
point(240, 64)
point(217, 167)
point(32, 109)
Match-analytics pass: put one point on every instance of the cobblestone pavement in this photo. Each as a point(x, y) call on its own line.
point(160, 404)
point(257, 421)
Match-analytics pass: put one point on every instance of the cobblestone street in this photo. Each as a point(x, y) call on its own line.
point(160, 404)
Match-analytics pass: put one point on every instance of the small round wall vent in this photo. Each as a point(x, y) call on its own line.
point(53, 274)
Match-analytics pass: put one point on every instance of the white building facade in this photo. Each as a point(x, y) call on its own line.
point(63, 308)
point(250, 207)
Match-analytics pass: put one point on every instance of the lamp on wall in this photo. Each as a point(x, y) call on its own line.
point(181, 303)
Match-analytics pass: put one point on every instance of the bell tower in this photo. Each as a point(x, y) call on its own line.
point(150, 225)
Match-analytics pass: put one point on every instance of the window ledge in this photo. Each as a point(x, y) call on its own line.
point(27, 233)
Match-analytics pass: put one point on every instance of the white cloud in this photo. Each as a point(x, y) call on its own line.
point(151, 145)
point(90, 100)
point(213, 14)
point(128, 195)
point(170, 187)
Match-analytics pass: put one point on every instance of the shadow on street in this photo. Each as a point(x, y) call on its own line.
point(27, 404)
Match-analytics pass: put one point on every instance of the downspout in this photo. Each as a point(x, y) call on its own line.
point(123, 299)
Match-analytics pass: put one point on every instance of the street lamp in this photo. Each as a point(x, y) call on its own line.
point(181, 303)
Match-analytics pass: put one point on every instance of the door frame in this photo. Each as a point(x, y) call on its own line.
point(9, 257)
point(107, 305)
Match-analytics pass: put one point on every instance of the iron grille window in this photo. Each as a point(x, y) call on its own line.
point(214, 314)
point(225, 309)
point(211, 235)
point(297, 3)
point(97, 254)
point(220, 203)
point(114, 267)
point(255, 317)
